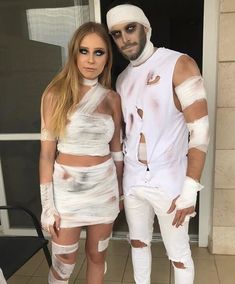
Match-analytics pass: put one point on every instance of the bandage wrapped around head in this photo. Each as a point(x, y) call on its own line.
point(48, 206)
point(127, 13)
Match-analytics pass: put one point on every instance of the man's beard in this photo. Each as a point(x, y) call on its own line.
point(141, 45)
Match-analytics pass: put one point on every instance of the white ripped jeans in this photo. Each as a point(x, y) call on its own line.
point(140, 208)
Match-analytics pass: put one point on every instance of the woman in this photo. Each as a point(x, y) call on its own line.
point(80, 182)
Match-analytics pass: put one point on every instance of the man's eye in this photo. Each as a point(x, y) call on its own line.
point(99, 52)
point(115, 34)
point(131, 28)
point(83, 51)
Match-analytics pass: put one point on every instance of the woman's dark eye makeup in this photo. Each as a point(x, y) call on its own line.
point(97, 52)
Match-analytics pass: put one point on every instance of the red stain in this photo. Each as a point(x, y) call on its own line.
point(130, 91)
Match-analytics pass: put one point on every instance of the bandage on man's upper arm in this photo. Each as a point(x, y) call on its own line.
point(190, 93)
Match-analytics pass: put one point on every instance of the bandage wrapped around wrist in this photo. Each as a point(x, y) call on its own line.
point(48, 206)
point(188, 196)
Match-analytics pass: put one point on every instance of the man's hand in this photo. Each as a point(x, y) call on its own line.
point(181, 214)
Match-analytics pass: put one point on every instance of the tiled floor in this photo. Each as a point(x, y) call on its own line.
point(210, 269)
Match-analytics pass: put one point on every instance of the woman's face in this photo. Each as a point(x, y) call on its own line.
point(92, 56)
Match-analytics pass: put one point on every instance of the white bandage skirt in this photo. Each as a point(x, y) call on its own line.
point(86, 195)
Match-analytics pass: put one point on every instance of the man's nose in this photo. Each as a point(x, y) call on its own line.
point(125, 38)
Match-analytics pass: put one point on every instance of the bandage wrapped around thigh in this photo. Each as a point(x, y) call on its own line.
point(188, 196)
point(48, 206)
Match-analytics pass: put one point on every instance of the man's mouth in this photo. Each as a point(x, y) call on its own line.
point(125, 47)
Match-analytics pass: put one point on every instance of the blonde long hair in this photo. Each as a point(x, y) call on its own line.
point(65, 86)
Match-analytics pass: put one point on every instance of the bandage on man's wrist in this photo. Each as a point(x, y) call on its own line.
point(48, 206)
point(188, 196)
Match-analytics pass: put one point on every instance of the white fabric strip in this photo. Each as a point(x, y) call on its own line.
point(48, 206)
point(88, 131)
point(63, 249)
point(2, 278)
point(89, 82)
point(103, 244)
point(64, 270)
point(199, 133)
point(89, 195)
point(53, 280)
point(117, 156)
point(190, 91)
point(126, 14)
point(47, 135)
point(188, 196)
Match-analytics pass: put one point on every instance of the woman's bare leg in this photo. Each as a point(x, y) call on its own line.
point(96, 246)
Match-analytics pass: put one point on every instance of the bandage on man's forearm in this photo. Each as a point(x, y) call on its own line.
point(48, 206)
point(188, 196)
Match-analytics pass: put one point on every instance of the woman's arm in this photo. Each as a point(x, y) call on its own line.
point(115, 143)
point(49, 218)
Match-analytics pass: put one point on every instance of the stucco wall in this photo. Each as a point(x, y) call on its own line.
point(223, 226)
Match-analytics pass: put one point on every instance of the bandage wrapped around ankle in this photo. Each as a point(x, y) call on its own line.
point(188, 196)
point(48, 206)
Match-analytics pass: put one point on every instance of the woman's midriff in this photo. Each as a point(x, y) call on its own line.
point(81, 161)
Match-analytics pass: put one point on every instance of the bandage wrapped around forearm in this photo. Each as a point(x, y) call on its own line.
point(188, 196)
point(48, 206)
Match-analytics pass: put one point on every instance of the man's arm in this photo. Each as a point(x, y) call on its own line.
point(190, 92)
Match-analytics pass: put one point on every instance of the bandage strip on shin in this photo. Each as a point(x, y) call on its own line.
point(53, 280)
point(117, 156)
point(188, 196)
point(189, 92)
point(64, 270)
point(48, 206)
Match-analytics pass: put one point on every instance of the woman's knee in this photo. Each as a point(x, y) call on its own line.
point(95, 256)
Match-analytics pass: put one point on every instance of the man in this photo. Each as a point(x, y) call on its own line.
point(163, 103)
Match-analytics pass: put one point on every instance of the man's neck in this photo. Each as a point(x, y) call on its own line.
point(145, 55)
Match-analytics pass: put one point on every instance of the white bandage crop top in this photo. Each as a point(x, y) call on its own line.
point(88, 132)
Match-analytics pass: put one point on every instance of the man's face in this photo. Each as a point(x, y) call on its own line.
point(130, 39)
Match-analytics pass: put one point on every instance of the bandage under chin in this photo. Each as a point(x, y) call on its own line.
point(64, 270)
point(117, 156)
point(188, 196)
